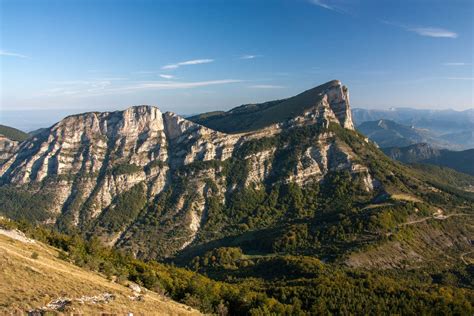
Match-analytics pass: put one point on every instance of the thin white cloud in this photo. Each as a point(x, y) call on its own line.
point(162, 85)
point(84, 88)
point(187, 63)
point(249, 56)
point(433, 32)
point(12, 54)
point(166, 76)
point(329, 5)
point(321, 4)
point(425, 31)
point(266, 86)
point(456, 64)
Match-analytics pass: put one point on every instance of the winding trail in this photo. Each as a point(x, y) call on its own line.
point(437, 216)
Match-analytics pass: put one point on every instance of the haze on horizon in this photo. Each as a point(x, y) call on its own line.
point(64, 57)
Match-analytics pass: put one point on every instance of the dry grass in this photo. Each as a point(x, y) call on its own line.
point(27, 283)
point(405, 197)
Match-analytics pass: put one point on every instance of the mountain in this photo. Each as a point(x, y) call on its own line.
point(442, 128)
point(461, 161)
point(36, 281)
point(388, 133)
point(250, 117)
point(164, 187)
point(283, 206)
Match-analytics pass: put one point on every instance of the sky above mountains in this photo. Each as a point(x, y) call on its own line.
point(61, 57)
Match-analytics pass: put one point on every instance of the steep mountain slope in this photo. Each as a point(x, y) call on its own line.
point(161, 186)
point(34, 279)
point(462, 161)
point(254, 116)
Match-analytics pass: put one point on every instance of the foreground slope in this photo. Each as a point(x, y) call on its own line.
point(33, 278)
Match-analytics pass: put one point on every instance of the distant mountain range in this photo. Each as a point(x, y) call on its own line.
point(462, 161)
point(442, 121)
point(388, 133)
point(404, 126)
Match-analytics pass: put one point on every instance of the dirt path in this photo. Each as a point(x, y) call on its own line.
point(438, 216)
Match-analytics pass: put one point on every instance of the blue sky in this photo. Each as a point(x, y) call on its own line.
point(68, 56)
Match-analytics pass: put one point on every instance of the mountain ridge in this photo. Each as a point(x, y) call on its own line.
point(157, 185)
point(87, 161)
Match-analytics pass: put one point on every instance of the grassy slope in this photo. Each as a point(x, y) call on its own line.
point(28, 283)
point(13, 133)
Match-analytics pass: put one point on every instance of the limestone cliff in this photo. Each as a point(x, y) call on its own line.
point(88, 163)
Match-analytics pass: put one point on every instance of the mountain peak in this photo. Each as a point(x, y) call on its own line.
point(325, 103)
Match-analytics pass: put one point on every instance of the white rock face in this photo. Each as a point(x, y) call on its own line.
point(7, 147)
point(338, 98)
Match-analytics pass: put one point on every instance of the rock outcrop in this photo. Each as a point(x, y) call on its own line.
point(7, 147)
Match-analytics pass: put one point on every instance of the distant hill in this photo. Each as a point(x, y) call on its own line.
point(37, 131)
point(13, 133)
point(462, 161)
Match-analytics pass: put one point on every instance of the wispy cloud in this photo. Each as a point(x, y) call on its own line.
point(162, 85)
point(322, 4)
point(166, 76)
point(249, 56)
point(12, 54)
point(456, 64)
point(77, 87)
point(424, 31)
point(433, 32)
point(266, 86)
point(329, 5)
point(87, 88)
point(187, 63)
